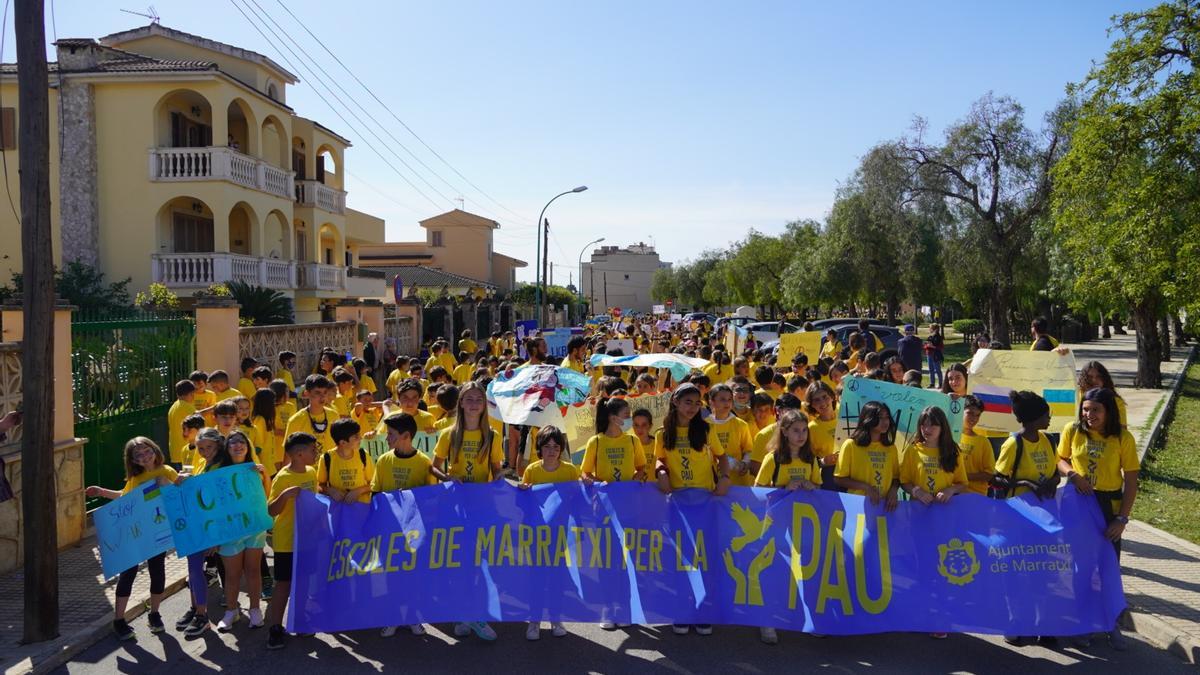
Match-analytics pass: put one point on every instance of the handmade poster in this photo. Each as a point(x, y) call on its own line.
point(425, 443)
point(623, 344)
point(524, 329)
point(678, 364)
point(534, 394)
point(132, 529)
point(557, 339)
point(819, 561)
point(790, 344)
point(658, 309)
point(216, 507)
point(579, 420)
point(904, 403)
point(994, 373)
point(374, 446)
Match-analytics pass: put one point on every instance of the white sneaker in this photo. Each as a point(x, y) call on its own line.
point(607, 625)
point(256, 618)
point(533, 631)
point(681, 628)
point(417, 629)
point(482, 630)
point(388, 631)
point(461, 630)
point(768, 635)
point(557, 629)
point(226, 624)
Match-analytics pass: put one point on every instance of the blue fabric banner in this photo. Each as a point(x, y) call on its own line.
point(216, 508)
point(132, 529)
point(815, 561)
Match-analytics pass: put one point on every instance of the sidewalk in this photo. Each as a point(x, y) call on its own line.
point(86, 608)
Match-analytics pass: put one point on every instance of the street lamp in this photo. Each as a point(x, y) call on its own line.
point(538, 258)
point(592, 290)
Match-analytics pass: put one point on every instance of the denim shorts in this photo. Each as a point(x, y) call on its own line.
point(236, 546)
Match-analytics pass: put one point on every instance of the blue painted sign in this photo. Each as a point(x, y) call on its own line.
point(131, 529)
point(216, 508)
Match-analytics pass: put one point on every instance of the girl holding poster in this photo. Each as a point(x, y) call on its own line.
point(210, 447)
point(144, 462)
point(243, 555)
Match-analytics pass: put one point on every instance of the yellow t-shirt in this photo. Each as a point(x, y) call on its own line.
point(535, 474)
point(188, 452)
point(469, 464)
point(269, 450)
point(468, 345)
point(689, 467)
point(344, 404)
point(165, 471)
point(446, 361)
point(425, 422)
point(393, 472)
point(875, 464)
point(303, 421)
point(831, 349)
point(759, 450)
point(1102, 460)
point(204, 399)
point(809, 471)
point(430, 363)
point(822, 435)
point(247, 388)
point(462, 374)
point(285, 522)
point(736, 442)
point(437, 412)
point(286, 375)
point(613, 459)
point(920, 468)
point(368, 419)
point(180, 410)
point(977, 458)
point(219, 396)
point(347, 474)
point(578, 366)
point(718, 374)
point(747, 416)
point(393, 379)
point(1038, 461)
point(283, 413)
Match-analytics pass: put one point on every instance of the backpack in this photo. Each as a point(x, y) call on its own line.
point(362, 457)
point(1002, 486)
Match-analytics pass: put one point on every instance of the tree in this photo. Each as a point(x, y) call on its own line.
point(261, 306)
point(993, 174)
point(1127, 203)
point(82, 286)
point(662, 287)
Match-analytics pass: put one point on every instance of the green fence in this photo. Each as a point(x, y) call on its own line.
point(124, 368)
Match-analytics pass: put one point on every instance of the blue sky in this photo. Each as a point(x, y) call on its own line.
point(691, 122)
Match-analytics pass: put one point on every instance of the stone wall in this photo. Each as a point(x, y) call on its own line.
point(68, 467)
point(264, 343)
point(79, 205)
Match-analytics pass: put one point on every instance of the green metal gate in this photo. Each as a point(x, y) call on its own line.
point(124, 368)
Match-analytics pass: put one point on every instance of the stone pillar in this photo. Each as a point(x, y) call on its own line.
point(218, 344)
point(351, 310)
point(410, 307)
point(372, 315)
point(13, 318)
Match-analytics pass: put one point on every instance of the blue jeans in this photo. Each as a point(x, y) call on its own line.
point(197, 582)
point(935, 370)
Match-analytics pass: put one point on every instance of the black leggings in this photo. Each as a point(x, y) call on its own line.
point(1109, 502)
point(158, 576)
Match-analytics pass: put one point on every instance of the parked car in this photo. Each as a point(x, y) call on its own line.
point(735, 321)
point(766, 331)
point(699, 316)
point(824, 324)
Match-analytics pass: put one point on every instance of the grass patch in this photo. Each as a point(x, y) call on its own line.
point(1169, 486)
point(1154, 413)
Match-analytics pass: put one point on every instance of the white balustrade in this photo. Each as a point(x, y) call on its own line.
point(199, 270)
point(314, 193)
point(316, 276)
point(221, 163)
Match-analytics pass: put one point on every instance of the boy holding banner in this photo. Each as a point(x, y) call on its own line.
point(144, 462)
point(298, 474)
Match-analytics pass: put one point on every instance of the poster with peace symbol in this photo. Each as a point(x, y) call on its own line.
point(904, 403)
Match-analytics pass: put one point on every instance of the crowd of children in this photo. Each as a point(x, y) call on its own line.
point(745, 420)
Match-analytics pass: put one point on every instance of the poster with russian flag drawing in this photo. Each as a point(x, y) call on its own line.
point(993, 374)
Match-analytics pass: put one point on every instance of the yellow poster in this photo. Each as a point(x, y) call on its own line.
point(791, 344)
point(993, 374)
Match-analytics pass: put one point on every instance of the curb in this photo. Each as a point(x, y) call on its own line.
point(65, 647)
point(1159, 423)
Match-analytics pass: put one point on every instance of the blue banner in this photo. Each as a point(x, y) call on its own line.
point(216, 508)
point(132, 529)
point(814, 561)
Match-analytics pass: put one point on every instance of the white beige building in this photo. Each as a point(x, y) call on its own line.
point(620, 276)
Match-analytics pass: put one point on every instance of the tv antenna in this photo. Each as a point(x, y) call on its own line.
point(149, 14)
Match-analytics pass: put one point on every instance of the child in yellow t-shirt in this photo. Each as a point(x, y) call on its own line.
point(933, 469)
point(613, 454)
point(191, 429)
point(345, 383)
point(144, 462)
point(367, 412)
point(345, 472)
point(820, 404)
point(733, 434)
point(204, 398)
point(978, 458)
point(680, 463)
point(245, 384)
point(1038, 465)
point(300, 448)
point(551, 446)
point(790, 462)
point(868, 463)
point(183, 407)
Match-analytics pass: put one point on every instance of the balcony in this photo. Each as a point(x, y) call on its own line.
point(201, 270)
point(321, 196)
point(364, 283)
point(223, 164)
point(319, 277)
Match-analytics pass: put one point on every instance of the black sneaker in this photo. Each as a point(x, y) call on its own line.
point(122, 629)
point(186, 619)
point(268, 588)
point(156, 622)
point(275, 637)
point(198, 625)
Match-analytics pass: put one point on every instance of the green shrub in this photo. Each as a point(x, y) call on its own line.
point(964, 326)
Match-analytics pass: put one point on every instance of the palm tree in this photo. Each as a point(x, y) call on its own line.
point(262, 306)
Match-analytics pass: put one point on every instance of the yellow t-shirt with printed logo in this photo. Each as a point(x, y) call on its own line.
point(368, 419)
point(344, 404)
point(285, 522)
point(469, 464)
point(269, 450)
point(789, 471)
point(613, 459)
point(393, 472)
point(347, 474)
point(1039, 460)
point(689, 467)
point(1102, 460)
point(921, 468)
point(204, 399)
point(977, 458)
point(734, 436)
point(822, 435)
point(536, 474)
point(875, 464)
point(303, 421)
point(164, 471)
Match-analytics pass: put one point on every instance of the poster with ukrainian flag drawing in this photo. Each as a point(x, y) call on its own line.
point(132, 529)
point(993, 374)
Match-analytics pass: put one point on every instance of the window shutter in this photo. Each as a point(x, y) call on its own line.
point(8, 135)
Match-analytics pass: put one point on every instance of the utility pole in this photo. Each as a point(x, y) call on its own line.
point(606, 290)
point(591, 288)
point(38, 500)
point(545, 267)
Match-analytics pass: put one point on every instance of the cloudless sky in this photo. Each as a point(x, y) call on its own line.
point(690, 122)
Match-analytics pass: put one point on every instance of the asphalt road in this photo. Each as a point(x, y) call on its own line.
point(588, 649)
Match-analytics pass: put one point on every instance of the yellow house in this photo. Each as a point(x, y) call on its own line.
point(176, 159)
point(457, 242)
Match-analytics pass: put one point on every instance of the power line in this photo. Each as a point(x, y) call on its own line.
point(333, 109)
point(396, 117)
